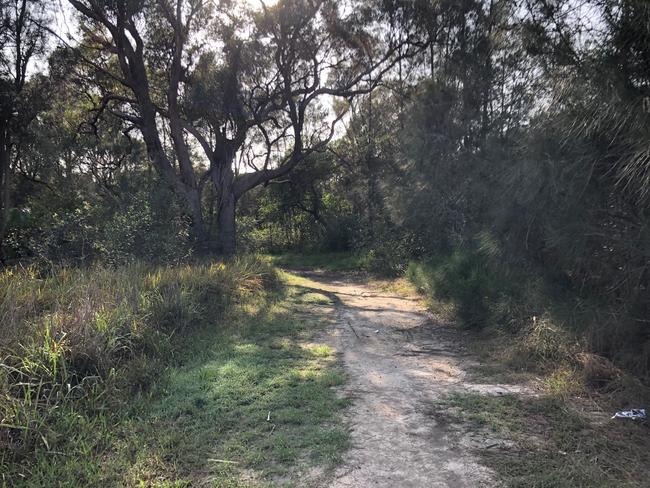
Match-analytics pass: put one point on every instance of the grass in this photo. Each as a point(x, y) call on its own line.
point(528, 328)
point(235, 394)
point(332, 261)
point(530, 320)
point(555, 445)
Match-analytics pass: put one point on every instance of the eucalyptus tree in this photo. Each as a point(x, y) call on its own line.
point(229, 96)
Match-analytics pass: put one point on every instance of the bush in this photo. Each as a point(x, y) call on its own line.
point(543, 323)
point(139, 232)
point(465, 278)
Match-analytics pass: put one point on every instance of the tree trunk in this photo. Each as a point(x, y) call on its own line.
point(5, 189)
point(198, 230)
point(223, 180)
point(227, 237)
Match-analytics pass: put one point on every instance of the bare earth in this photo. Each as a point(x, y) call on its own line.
point(400, 361)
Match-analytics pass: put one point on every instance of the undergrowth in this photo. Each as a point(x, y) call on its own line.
point(78, 345)
point(332, 261)
point(196, 375)
point(378, 262)
point(554, 445)
point(578, 350)
point(530, 320)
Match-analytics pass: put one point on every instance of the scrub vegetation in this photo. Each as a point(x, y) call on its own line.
point(163, 376)
point(552, 443)
point(161, 159)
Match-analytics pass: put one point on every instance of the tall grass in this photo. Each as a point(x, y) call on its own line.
point(80, 341)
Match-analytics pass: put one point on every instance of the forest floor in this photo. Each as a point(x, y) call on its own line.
point(429, 408)
point(402, 364)
point(338, 379)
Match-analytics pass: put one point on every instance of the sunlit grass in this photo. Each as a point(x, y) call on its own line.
point(222, 387)
point(250, 402)
point(332, 261)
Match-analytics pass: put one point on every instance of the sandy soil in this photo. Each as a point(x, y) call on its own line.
point(400, 362)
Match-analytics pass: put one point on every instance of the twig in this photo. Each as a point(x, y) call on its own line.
point(224, 461)
point(355, 332)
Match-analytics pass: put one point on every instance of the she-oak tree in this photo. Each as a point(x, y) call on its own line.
point(229, 96)
point(22, 39)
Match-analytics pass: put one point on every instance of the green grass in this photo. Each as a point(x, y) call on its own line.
point(202, 419)
point(555, 445)
point(333, 261)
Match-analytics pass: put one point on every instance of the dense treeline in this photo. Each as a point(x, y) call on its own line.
point(511, 154)
point(215, 99)
point(500, 141)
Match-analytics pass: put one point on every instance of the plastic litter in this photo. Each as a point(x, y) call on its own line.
point(635, 414)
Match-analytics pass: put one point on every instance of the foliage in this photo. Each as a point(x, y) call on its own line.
point(192, 362)
point(510, 159)
point(494, 153)
point(323, 261)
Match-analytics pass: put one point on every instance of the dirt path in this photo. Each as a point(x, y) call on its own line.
point(400, 362)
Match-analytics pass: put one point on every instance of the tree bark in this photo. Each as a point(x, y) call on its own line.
point(227, 237)
point(198, 229)
point(223, 179)
point(5, 188)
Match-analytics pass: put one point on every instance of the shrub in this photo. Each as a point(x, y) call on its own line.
point(465, 278)
point(543, 322)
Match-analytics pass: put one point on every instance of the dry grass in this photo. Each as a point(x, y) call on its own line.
point(553, 443)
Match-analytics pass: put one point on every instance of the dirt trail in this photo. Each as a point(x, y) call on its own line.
point(400, 362)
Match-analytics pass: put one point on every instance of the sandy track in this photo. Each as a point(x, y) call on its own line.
point(399, 362)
